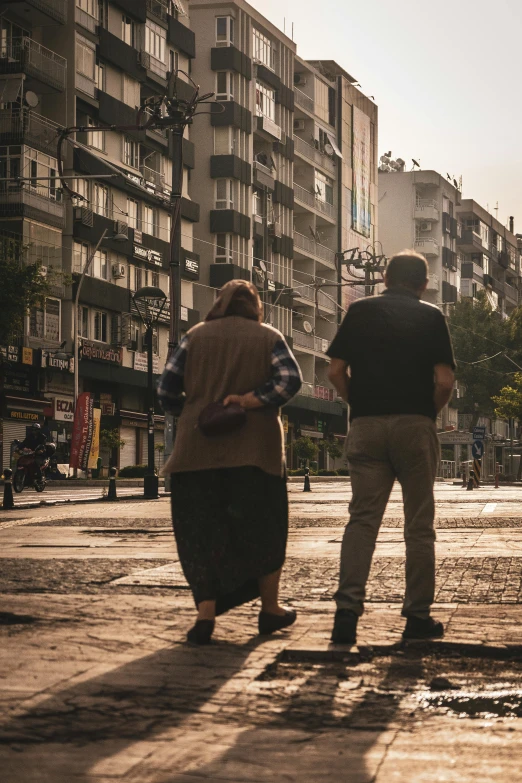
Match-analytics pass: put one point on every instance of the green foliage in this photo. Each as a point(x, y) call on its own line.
point(305, 449)
point(23, 287)
point(133, 471)
point(110, 439)
point(509, 401)
point(332, 448)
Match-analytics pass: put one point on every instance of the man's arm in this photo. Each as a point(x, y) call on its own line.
point(338, 377)
point(444, 380)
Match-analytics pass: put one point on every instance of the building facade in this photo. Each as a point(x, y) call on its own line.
point(100, 63)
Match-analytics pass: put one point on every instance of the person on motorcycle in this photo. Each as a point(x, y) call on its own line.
point(35, 438)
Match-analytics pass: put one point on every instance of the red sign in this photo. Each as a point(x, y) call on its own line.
point(82, 432)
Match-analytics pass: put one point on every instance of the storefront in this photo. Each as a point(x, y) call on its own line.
point(133, 431)
point(59, 390)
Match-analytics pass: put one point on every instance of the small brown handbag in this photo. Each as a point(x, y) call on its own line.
point(218, 419)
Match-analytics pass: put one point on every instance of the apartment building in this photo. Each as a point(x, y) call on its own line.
point(87, 63)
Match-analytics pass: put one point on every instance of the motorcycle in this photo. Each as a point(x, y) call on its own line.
point(26, 473)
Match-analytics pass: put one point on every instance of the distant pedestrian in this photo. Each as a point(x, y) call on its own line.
point(398, 353)
point(229, 494)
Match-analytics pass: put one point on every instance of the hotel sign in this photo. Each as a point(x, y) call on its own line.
point(146, 254)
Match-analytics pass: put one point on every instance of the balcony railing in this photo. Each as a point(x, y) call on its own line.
point(326, 301)
point(306, 197)
point(159, 8)
point(301, 242)
point(15, 198)
point(313, 154)
point(426, 209)
point(511, 292)
point(427, 246)
point(21, 125)
point(303, 291)
point(30, 57)
point(310, 341)
point(150, 175)
point(304, 100)
point(56, 9)
point(86, 20)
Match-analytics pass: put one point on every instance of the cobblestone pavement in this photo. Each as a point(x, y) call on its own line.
point(97, 684)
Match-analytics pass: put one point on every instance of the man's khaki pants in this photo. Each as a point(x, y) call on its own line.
point(379, 450)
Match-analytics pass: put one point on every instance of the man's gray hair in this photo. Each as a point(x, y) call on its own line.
point(407, 268)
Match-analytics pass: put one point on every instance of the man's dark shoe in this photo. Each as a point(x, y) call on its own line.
point(423, 628)
point(345, 627)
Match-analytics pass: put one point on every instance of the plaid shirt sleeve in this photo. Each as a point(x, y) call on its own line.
point(286, 377)
point(170, 385)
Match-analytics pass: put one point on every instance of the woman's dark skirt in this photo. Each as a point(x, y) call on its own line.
point(231, 527)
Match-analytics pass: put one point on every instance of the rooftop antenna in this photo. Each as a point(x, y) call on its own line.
point(496, 211)
point(292, 31)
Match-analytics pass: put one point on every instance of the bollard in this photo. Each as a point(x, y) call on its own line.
point(497, 473)
point(307, 487)
point(8, 502)
point(112, 485)
point(471, 481)
point(464, 479)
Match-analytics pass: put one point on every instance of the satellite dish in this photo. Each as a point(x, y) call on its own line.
point(31, 99)
point(329, 149)
point(262, 265)
point(307, 326)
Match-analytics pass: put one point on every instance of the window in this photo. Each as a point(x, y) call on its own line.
point(132, 212)
point(263, 49)
point(224, 194)
point(224, 86)
point(127, 30)
point(265, 101)
point(173, 61)
point(81, 186)
point(223, 141)
point(99, 76)
point(130, 91)
point(150, 220)
point(43, 244)
point(155, 41)
point(85, 57)
point(44, 323)
point(89, 6)
point(321, 104)
point(131, 153)
point(99, 266)
point(324, 188)
point(223, 248)
point(257, 205)
point(83, 321)
point(99, 332)
point(38, 164)
point(96, 137)
point(80, 256)
point(138, 278)
point(101, 199)
point(224, 30)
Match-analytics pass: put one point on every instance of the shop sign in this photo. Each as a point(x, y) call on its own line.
point(141, 364)
point(82, 432)
point(147, 254)
point(57, 363)
point(183, 313)
point(105, 397)
point(17, 382)
point(16, 415)
point(27, 356)
point(64, 408)
point(10, 352)
point(191, 266)
point(100, 353)
point(107, 408)
point(312, 434)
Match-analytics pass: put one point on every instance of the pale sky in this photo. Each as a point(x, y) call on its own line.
point(445, 76)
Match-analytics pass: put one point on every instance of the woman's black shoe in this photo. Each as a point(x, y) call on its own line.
point(268, 623)
point(201, 632)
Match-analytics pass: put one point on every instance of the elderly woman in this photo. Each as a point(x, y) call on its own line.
point(229, 496)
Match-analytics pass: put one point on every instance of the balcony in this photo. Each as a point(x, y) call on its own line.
point(304, 101)
point(38, 12)
point(86, 20)
point(469, 240)
point(153, 177)
point(42, 66)
point(314, 155)
point(433, 283)
point(263, 176)
point(511, 293)
point(317, 251)
point(309, 342)
point(21, 126)
point(426, 209)
point(307, 198)
point(303, 291)
point(427, 247)
point(158, 8)
point(36, 203)
point(267, 128)
point(326, 301)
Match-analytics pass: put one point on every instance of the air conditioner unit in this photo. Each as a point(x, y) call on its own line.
point(299, 79)
point(274, 229)
point(84, 215)
point(118, 270)
point(425, 226)
point(144, 59)
point(299, 125)
point(120, 227)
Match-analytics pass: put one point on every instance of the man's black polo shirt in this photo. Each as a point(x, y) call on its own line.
point(392, 343)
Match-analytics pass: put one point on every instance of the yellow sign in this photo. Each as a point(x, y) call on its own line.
point(95, 446)
point(285, 423)
point(27, 355)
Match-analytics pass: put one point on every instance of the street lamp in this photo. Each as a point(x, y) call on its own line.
point(150, 302)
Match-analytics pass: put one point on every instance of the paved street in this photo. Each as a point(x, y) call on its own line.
point(56, 495)
point(98, 684)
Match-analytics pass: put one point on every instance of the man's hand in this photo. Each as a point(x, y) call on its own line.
point(247, 401)
point(338, 377)
point(444, 380)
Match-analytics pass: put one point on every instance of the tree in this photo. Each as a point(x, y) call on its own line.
point(332, 448)
point(23, 287)
point(478, 332)
point(305, 449)
point(509, 406)
point(110, 440)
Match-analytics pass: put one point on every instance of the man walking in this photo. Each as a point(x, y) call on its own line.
point(398, 352)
